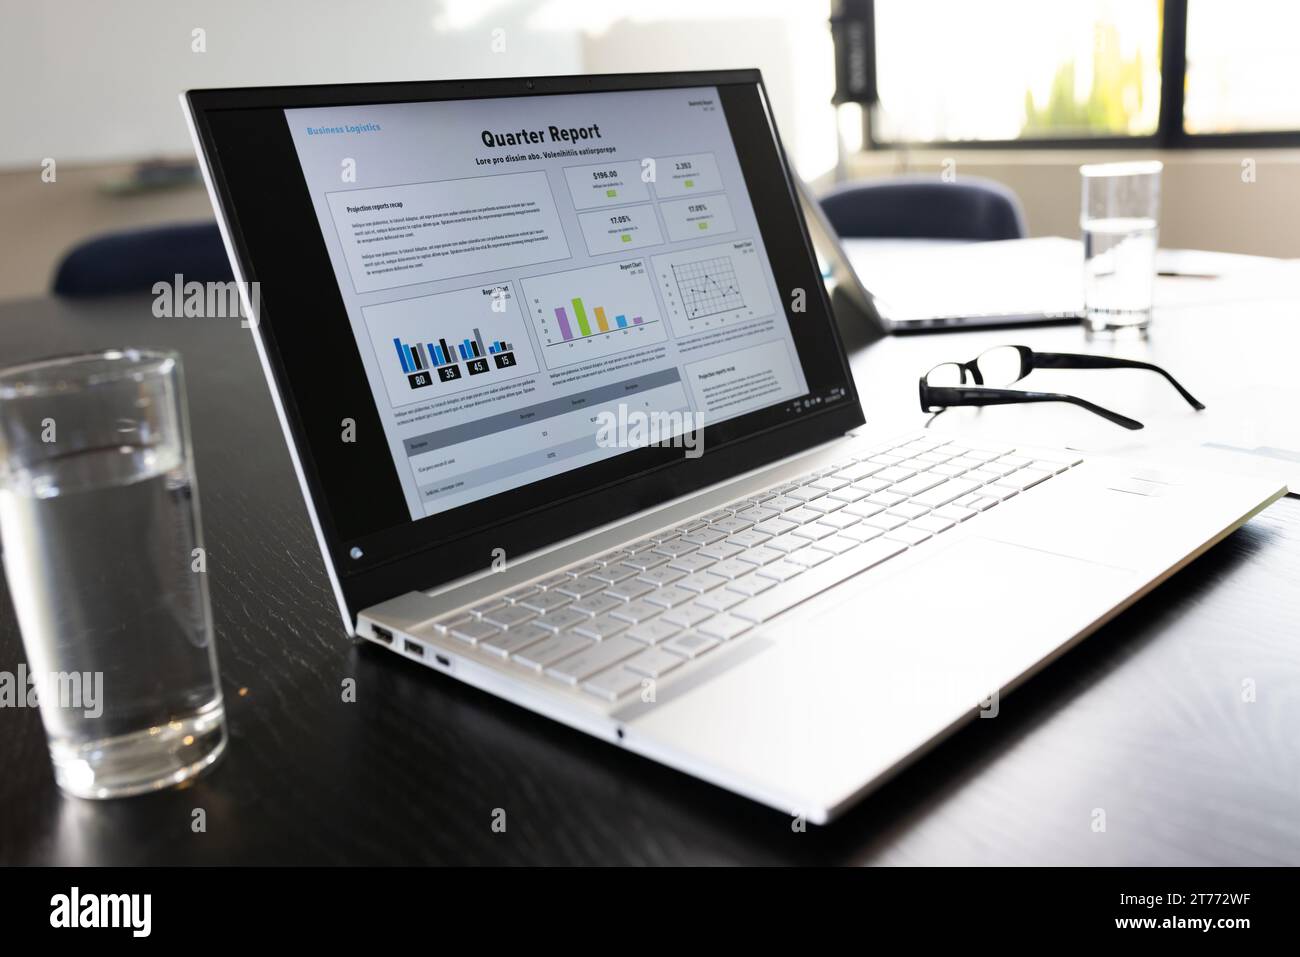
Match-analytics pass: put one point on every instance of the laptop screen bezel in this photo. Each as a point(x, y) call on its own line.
point(417, 555)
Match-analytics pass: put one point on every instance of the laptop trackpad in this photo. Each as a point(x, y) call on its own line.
point(845, 693)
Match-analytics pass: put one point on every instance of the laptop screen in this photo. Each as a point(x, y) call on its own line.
point(538, 283)
point(496, 313)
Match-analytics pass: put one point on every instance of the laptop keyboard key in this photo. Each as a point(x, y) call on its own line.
point(909, 534)
point(885, 522)
point(664, 575)
point(448, 622)
point(560, 619)
point(748, 539)
point(629, 590)
point(862, 532)
point(724, 627)
point(670, 597)
point(675, 547)
point(732, 568)
point(592, 659)
point(613, 574)
point(702, 581)
point(509, 616)
point(781, 571)
point(547, 601)
point(837, 544)
point(582, 587)
point(690, 564)
point(652, 632)
point(613, 684)
point(751, 585)
point(1025, 478)
point(762, 555)
point(908, 510)
point(721, 551)
point(594, 605)
point(508, 642)
point(705, 536)
point(949, 491)
point(688, 616)
point(917, 484)
point(601, 628)
point(475, 631)
point(933, 524)
point(775, 526)
point(653, 662)
point(690, 645)
point(808, 557)
point(646, 560)
point(785, 544)
point(719, 600)
point(955, 513)
point(544, 653)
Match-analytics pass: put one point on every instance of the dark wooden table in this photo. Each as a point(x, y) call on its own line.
point(1144, 720)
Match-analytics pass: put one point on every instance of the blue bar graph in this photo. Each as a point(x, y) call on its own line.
point(419, 358)
point(622, 321)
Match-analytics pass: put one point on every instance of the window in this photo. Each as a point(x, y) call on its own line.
point(1016, 69)
point(1111, 73)
point(1241, 66)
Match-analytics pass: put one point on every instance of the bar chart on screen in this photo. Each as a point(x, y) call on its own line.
point(713, 286)
point(593, 312)
point(449, 342)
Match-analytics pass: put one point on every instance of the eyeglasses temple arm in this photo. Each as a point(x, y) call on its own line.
point(953, 396)
point(1070, 360)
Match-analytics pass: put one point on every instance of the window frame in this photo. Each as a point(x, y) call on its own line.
point(1170, 133)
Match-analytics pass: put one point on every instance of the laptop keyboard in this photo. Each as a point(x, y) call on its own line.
point(645, 610)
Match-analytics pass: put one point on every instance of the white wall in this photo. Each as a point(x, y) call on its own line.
point(1206, 203)
point(789, 42)
point(97, 80)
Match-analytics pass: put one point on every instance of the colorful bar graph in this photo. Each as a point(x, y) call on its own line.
point(563, 319)
point(580, 312)
point(602, 323)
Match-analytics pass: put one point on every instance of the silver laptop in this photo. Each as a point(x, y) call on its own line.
point(882, 286)
point(574, 425)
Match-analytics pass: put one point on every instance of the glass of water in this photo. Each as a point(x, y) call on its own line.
point(1121, 205)
point(99, 524)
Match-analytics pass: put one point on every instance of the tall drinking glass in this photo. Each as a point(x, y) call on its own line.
point(1121, 206)
point(103, 554)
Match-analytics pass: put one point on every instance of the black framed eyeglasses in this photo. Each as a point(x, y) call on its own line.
point(949, 383)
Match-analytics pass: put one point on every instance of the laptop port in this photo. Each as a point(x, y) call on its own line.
point(442, 660)
point(413, 648)
point(382, 634)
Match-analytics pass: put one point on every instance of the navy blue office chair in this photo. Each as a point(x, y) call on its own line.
point(925, 208)
point(133, 261)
